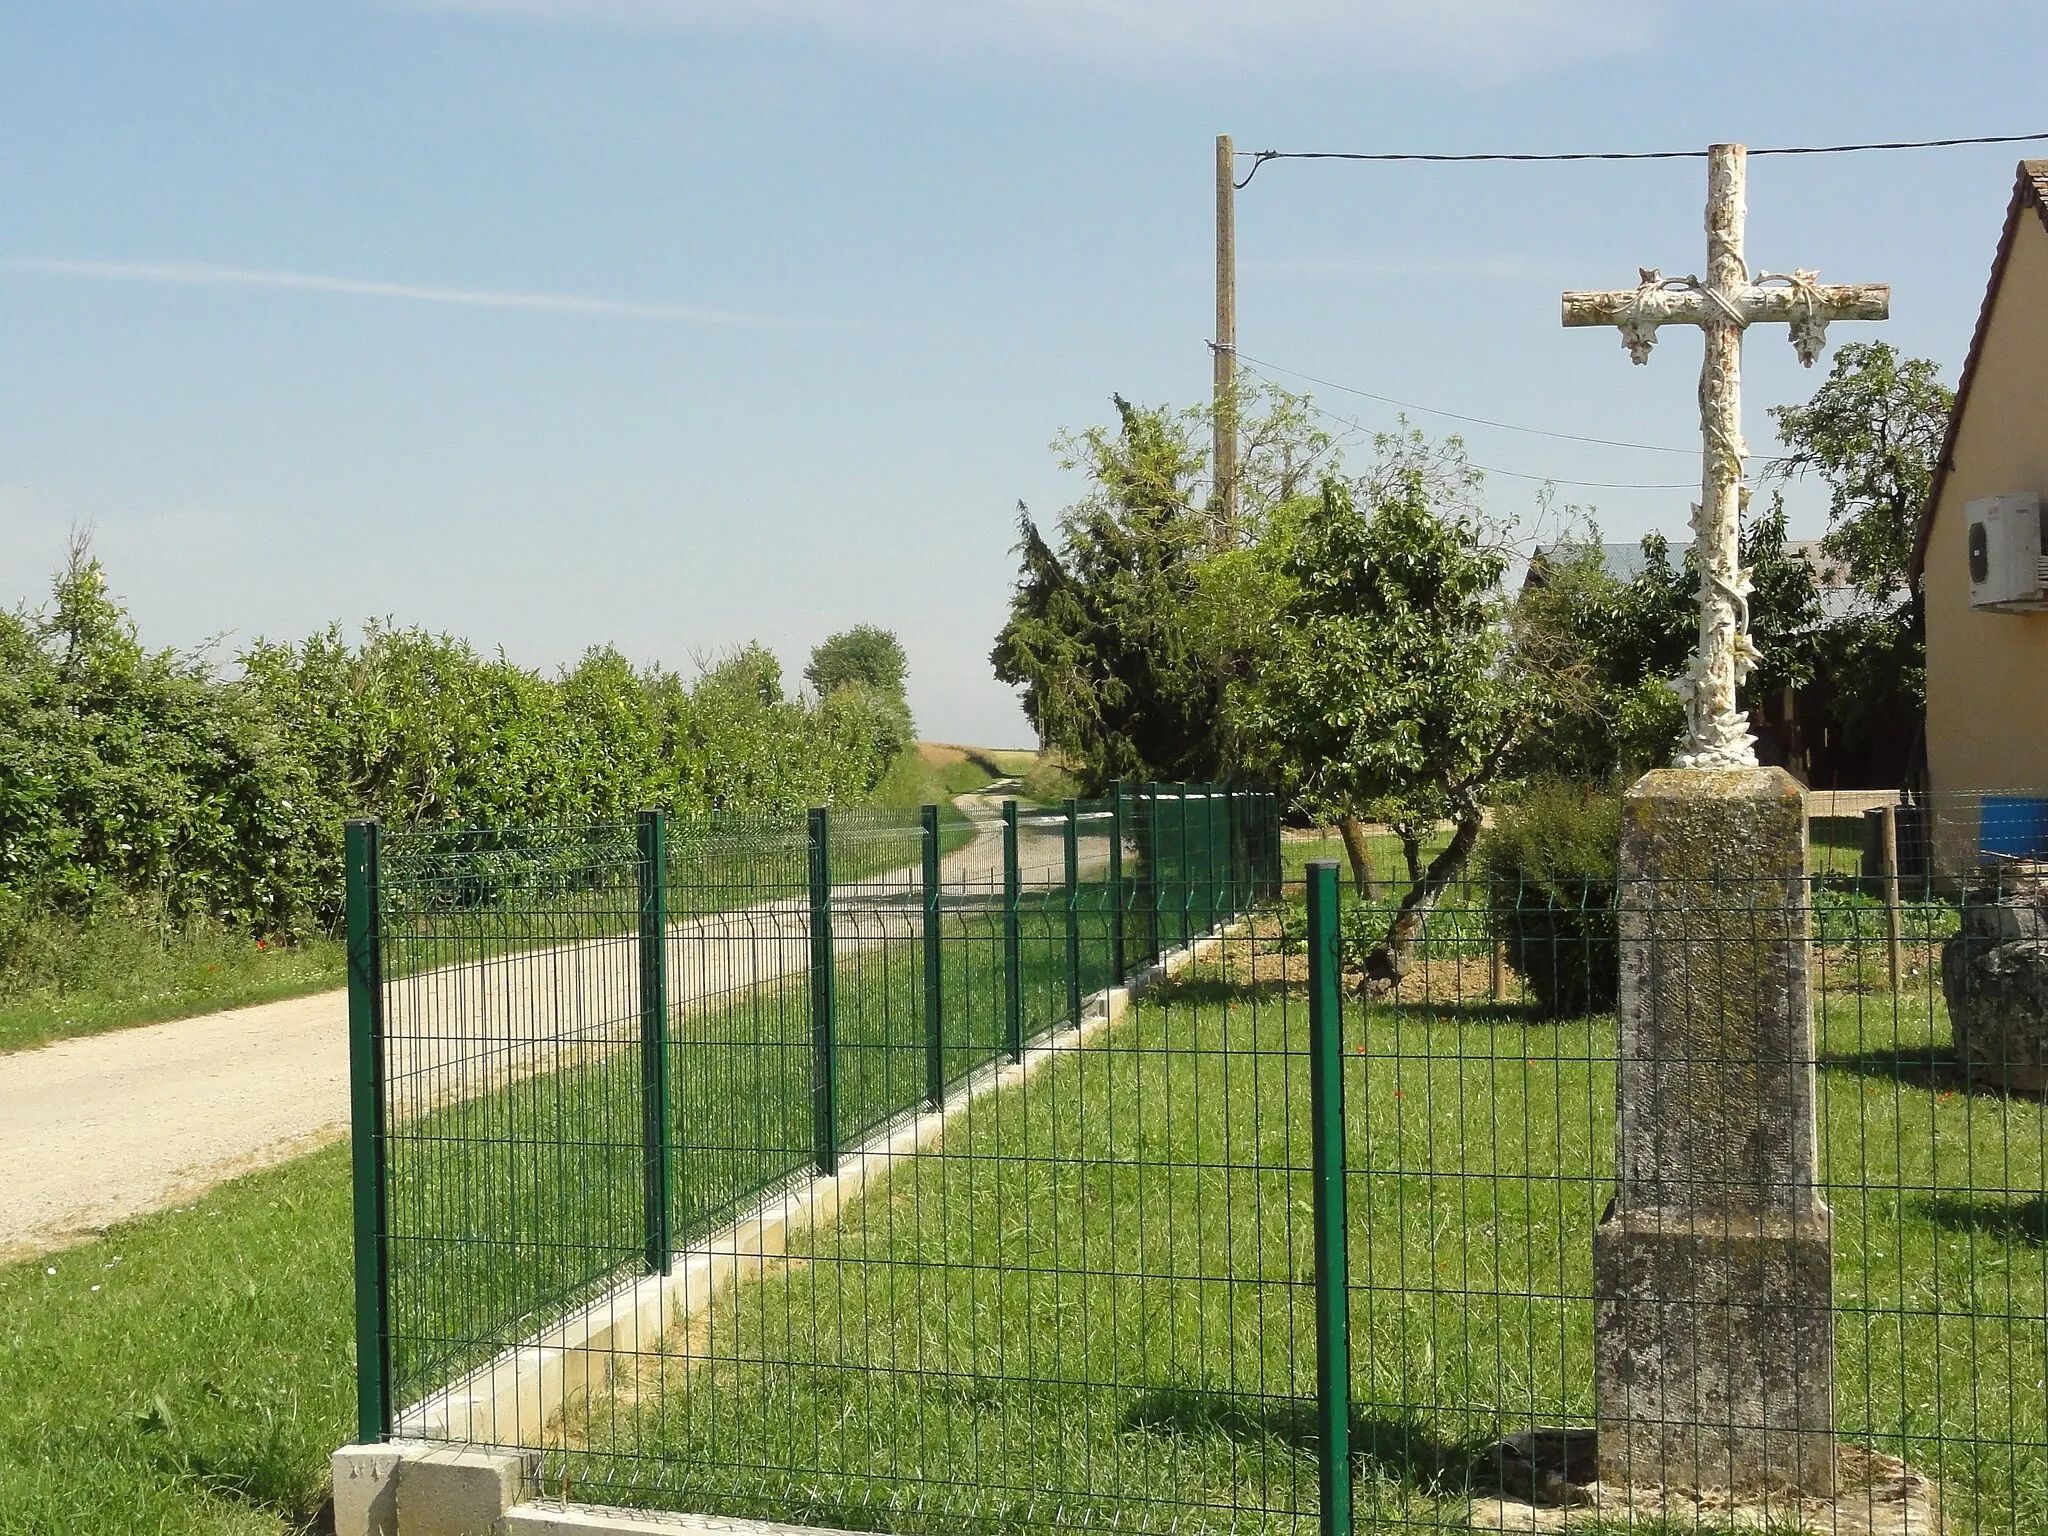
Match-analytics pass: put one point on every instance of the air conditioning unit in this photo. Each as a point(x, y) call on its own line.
point(2008, 571)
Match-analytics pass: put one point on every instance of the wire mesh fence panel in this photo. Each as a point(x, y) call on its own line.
point(948, 1236)
point(513, 1111)
point(1484, 1080)
point(1086, 1300)
point(739, 1013)
point(583, 1055)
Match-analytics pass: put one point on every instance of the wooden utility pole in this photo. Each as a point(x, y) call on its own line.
point(1224, 457)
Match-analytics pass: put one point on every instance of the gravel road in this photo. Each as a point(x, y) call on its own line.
point(97, 1130)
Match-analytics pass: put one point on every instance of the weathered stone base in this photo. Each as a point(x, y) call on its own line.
point(1714, 1351)
point(1875, 1495)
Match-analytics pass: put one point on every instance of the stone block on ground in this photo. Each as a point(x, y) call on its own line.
point(459, 1492)
point(1875, 1495)
point(366, 1490)
point(1994, 978)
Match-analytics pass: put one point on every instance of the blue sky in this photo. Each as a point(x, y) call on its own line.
point(676, 324)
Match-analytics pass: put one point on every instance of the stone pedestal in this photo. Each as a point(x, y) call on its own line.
point(1713, 1270)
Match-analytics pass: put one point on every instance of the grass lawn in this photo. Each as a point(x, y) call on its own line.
point(82, 978)
point(1089, 1305)
point(189, 1373)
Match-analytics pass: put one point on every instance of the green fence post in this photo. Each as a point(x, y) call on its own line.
point(934, 956)
point(1116, 883)
point(1232, 900)
point(1219, 857)
point(1013, 956)
point(1186, 873)
point(824, 1054)
point(1156, 888)
point(361, 845)
point(1073, 874)
point(1275, 867)
point(651, 828)
point(1327, 1164)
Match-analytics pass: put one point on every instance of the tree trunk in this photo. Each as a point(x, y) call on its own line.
point(1389, 959)
point(1352, 830)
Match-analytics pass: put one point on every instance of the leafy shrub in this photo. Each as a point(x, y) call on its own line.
point(133, 779)
point(1549, 865)
point(1049, 782)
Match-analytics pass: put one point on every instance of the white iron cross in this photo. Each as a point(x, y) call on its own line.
point(1722, 307)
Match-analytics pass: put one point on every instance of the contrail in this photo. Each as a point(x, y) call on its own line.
point(201, 275)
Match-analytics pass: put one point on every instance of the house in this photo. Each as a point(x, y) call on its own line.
point(1977, 562)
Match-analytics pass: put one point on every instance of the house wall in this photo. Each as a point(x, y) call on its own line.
point(1987, 673)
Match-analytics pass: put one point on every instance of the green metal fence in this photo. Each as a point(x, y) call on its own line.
point(578, 1052)
point(1269, 1249)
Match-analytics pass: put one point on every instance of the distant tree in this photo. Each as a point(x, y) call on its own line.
point(864, 654)
point(1125, 632)
point(1098, 637)
point(1606, 651)
point(1872, 432)
point(1383, 695)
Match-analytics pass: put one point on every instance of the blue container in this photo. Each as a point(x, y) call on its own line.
point(2015, 826)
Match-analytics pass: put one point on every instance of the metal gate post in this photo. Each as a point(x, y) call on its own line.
point(1116, 883)
point(1013, 959)
point(361, 846)
point(651, 829)
point(1327, 1164)
point(934, 1009)
point(824, 1054)
point(1073, 882)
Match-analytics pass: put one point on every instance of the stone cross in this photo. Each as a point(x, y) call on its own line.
point(1723, 306)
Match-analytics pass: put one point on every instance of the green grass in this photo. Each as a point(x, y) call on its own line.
point(65, 977)
point(204, 1383)
point(929, 776)
point(1048, 782)
point(1028, 1326)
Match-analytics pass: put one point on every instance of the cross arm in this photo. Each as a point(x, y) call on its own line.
point(1794, 300)
point(1639, 311)
point(1652, 306)
point(1790, 301)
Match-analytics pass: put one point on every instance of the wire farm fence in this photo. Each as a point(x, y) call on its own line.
point(1223, 1255)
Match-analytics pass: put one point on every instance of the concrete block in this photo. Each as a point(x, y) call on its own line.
point(366, 1490)
point(551, 1519)
point(450, 1492)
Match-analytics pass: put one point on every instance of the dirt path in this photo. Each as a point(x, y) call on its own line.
point(96, 1130)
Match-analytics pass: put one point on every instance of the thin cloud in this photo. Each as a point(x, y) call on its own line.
point(1356, 36)
point(201, 275)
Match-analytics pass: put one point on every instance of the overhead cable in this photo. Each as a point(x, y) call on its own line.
point(1516, 474)
point(1260, 156)
point(1477, 421)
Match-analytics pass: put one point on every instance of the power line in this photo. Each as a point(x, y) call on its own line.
point(1516, 474)
point(1260, 157)
point(1477, 421)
